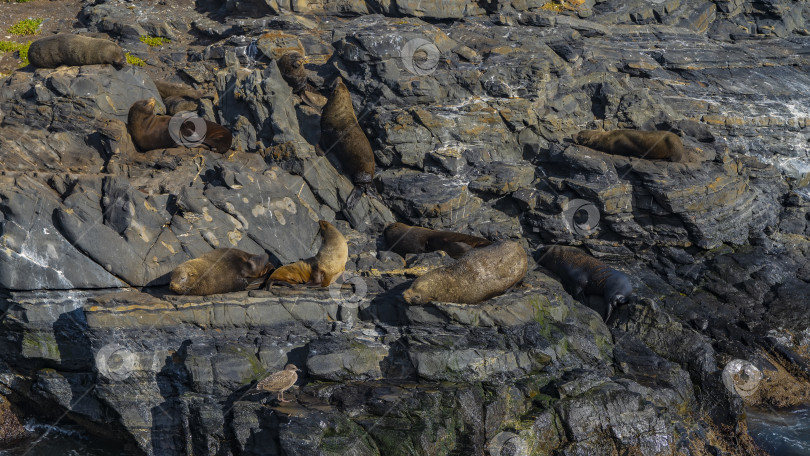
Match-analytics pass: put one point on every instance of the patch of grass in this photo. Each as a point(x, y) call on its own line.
point(153, 41)
point(25, 27)
point(132, 60)
point(20, 48)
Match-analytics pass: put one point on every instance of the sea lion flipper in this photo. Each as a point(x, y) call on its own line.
point(312, 99)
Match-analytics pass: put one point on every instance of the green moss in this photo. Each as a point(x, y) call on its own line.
point(137, 61)
point(20, 48)
point(25, 27)
point(40, 345)
point(153, 41)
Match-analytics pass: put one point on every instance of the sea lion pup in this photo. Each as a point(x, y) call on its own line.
point(341, 132)
point(75, 50)
point(178, 97)
point(220, 271)
point(582, 275)
point(662, 145)
point(404, 239)
point(480, 274)
point(293, 71)
point(150, 131)
point(324, 267)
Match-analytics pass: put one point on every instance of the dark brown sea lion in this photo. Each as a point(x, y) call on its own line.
point(341, 132)
point(220, 271)
point(659, 145)
point(175, 104)
point(480, 274)
point(175, 89)
point(293, 71)
point(404, 239)
point(583, 275)
point(178, 97)
point(74, 50)
point(324, 267)
point(150, 131)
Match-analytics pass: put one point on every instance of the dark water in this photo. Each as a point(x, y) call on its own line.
point(60, 441)
point(781, 432)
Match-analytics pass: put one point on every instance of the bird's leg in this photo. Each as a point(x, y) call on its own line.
point(281, 397)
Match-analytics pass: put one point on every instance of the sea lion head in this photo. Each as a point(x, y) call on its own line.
point(121, 61)
point(292, 60)
point(585, 136)
point(183, 278)
point(144, 106)
point(324, 225)
point(418, 293)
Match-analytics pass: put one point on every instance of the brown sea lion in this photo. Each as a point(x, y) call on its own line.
point(404, 239)
point(293, 71)
point(659, 145)
point(175, 89)
point(74, 50)
point(583, 275)
point(175, 104)
point(341, 132)
point(150, 131)
point(220, 271)
point(480, 274)
point(178, 97)
point(324, 267)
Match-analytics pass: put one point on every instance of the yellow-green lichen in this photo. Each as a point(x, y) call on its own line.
point(153, 41)
point(25, 27)
point(133, 60)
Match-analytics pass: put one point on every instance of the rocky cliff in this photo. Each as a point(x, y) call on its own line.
point(470, 108)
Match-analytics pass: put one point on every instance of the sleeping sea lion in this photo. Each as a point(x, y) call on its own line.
point(75, 50)
point(404, 239)
point(324, 267)
point(341, 132)
point(480, 274)
point(582, 275)
point(150, 131)
point(220, 271)
point(659, 145)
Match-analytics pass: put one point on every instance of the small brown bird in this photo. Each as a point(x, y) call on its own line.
point(280, 381)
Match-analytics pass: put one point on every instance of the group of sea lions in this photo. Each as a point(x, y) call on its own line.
point(483, 269)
